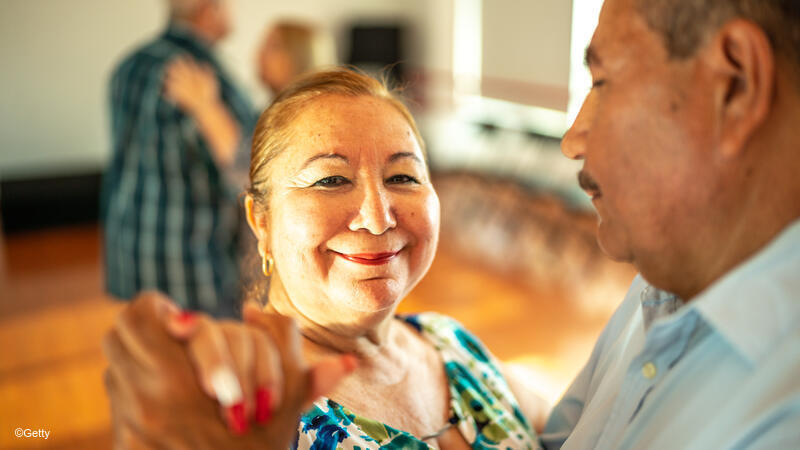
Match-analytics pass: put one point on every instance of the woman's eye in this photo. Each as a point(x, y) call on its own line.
point(598, 83)
point(401, 179)
point(332, 181)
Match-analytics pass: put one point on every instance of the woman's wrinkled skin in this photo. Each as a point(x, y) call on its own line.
point(354, 181)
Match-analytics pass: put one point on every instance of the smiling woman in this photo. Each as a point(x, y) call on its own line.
point(347, 223)
point(355, 166)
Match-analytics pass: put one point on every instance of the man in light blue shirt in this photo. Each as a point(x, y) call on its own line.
point(691, 154)
point(721, 372)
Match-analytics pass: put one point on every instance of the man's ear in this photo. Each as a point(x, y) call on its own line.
point(743, 63)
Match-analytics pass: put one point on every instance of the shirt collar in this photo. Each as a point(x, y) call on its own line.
point(656, 304)
point(184, 36)
point(753, 305)
point(757, 303)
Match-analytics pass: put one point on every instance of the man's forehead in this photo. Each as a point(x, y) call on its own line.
point(615, 16)
point(620, 30)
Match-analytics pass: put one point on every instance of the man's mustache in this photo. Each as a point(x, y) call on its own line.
point(587, 183)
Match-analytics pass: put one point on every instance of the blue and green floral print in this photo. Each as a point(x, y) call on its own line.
point(482, 406)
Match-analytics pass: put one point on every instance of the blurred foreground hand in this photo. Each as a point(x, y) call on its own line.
point(182, 380)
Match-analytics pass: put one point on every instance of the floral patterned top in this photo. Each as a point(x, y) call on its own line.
point(482, 406)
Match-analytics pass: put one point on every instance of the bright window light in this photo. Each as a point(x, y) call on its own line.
point(584, 21)
point(467, 46)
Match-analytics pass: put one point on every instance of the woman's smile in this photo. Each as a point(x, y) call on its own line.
point(369, 259)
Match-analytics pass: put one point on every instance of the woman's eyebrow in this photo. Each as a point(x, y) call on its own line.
point(325, 156)
point(399, 155)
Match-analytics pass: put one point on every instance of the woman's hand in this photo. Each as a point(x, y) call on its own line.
point(187, 381)
point(193, 87)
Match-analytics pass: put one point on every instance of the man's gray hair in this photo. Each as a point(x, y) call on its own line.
point(184, 9)
point(685, 24)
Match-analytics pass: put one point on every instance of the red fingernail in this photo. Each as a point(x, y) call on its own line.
point(263, 405)
point(236, 419)
point(186, 317)
point(350, 362)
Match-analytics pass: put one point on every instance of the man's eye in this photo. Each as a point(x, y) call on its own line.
point(332, 181)
point(401, 179)
point(598, 83)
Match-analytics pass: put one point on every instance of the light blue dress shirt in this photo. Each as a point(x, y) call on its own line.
point(721, 372)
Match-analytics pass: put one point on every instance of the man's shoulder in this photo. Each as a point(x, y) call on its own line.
point(154, 53)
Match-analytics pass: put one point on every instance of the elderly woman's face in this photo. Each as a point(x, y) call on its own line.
point(353, 222)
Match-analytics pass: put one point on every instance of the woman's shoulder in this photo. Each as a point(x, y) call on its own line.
point(426, 320)
point(327, 425)
point(481, 398)
point(448, 335)
point(432, 323)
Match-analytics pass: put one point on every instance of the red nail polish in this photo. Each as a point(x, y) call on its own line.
point(236, 419)
point(350, 362)
point(263, 405)
point(186, 317)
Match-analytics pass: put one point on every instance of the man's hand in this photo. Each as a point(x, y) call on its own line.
point(177, 380)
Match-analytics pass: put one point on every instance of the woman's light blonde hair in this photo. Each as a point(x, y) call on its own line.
point(273, 131)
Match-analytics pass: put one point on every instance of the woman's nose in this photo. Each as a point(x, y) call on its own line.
point(375, 212)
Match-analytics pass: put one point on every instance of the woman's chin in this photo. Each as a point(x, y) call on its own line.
point(375, 295)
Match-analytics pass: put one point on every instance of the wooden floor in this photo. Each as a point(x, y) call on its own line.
point(53, 313)
point(52, 316)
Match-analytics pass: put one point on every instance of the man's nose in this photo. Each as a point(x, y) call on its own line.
point(375, 212)
point(573, 144)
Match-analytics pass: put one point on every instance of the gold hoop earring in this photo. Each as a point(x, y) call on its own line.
point(267, 265)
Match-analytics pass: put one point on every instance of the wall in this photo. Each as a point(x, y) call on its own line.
point(526, 51)
point(57, 56)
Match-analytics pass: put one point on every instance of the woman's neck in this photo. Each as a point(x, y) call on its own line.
point(363, 338)
point(382, 349)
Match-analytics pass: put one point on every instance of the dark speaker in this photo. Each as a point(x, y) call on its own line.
point(378, 50)
point(49, 201)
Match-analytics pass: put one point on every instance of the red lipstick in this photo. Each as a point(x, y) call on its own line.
point(369, 259)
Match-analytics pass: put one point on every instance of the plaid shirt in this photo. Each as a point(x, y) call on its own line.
point(170, 215)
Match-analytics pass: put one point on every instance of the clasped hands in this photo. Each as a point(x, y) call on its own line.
point(184, 380)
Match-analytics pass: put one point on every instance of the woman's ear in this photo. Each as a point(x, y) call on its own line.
point(257, 223)
point(742, 58)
